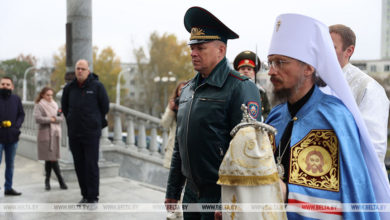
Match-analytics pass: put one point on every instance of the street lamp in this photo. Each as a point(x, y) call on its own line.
point(25, 82)
point(165, 79)
point(118, 86)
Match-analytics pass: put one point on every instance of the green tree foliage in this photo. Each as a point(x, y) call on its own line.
point(58, 76)
point(105, 64)
point(15, 68)
point(167, 57)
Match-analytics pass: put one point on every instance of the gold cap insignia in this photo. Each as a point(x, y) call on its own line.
point(196, 32)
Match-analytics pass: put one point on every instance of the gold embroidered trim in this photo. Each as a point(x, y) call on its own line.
point(247, 180)
point(272, 141)
point(232, 207)
point(198, 34)
point(210, 37)
point(314, 161)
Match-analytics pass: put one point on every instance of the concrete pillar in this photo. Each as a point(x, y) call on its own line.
point(78, 34)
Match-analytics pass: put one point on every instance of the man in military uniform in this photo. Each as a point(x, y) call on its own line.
point(209, 107)
point(248, 63)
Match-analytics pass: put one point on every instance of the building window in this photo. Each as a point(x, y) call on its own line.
point(387, 68)
point(373, 68)
point(362, 66)
point(132, 94)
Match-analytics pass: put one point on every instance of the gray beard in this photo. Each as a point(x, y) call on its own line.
point(282, 95)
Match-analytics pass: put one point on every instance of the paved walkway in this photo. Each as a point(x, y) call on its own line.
point(29, 179)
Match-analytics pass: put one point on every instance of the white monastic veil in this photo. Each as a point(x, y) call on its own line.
point(308, 40)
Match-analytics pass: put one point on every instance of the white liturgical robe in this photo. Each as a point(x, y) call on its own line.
point(248, 175)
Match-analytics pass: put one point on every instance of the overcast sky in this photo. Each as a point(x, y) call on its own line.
point(37, 27)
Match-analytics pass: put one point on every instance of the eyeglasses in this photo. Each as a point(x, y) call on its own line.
point(277, 64)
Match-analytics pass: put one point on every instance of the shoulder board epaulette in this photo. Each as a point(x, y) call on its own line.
point(238, 75)
point(187, 83)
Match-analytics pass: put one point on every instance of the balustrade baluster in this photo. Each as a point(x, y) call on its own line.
point(117, 128)
point(141, 136)
point(164, 141)
point(130, 139)
point(104, 141)
point(153, 142)
point(31, 120)
point(27, 120)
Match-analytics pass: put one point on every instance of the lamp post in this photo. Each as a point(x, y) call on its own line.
point(25, 82)
point(118, 86)
point(165, 79)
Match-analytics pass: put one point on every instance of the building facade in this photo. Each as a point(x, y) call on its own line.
point(373, 66)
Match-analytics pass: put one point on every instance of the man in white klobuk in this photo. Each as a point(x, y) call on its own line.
point(319, 130)
point(248, 174)
point(369, 95)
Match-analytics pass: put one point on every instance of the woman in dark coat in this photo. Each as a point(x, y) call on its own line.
point(49, 118)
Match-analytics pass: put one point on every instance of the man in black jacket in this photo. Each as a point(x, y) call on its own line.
point(209, 108)
point(85, 104)
point(11, 119)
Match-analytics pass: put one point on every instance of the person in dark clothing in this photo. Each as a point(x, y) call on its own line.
point(85, 104)
point(209, 108)
point(11, 119)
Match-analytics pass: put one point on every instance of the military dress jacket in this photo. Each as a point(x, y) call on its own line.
point(208, 110)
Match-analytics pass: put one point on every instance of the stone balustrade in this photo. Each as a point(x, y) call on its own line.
point(141, 132)
point(136, 141)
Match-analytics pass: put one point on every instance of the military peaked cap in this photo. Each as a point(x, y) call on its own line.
point(247, 58)
point(204, 27)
